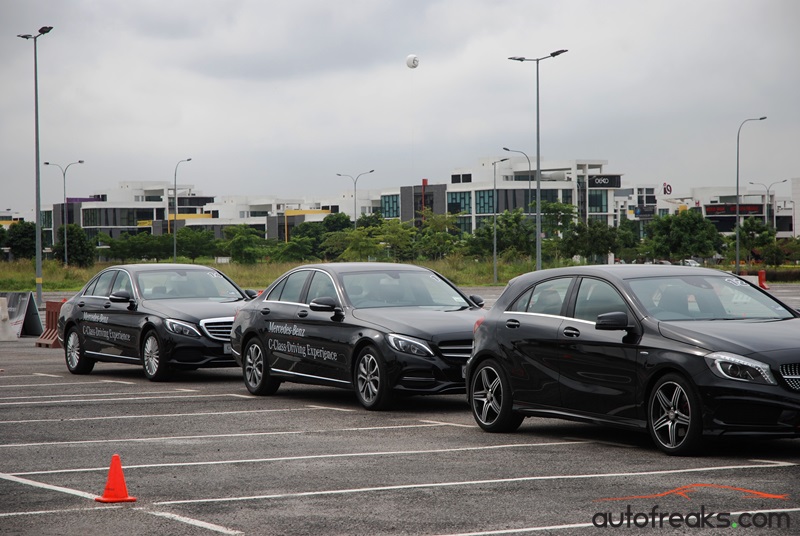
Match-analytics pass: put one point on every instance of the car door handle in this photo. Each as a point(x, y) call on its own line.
point(302, 314)
point(572, 332)
point(81, 304)
point(107, 305)
point(513, 324)
point(265, 311)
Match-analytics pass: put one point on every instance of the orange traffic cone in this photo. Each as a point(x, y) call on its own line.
point(116, 490)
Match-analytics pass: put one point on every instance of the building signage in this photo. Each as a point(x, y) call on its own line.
point(605, 181)
point(729, 209)
point(644, 211)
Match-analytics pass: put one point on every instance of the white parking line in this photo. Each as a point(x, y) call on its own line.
point(58, 384)
point(63, 511)
point(33, 397)
point(304, 458)
point(165, 415)
point(193, 522)
point(212, 436)
point(477, 483)
point(35, 484)
point(105, 401)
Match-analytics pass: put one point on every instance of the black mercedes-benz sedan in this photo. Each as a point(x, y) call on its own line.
point(159, 316)
point(685, 353)
point(380, 329)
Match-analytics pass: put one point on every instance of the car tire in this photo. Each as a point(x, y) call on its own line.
point(371, 380)
point(77, 362)
point(490, 399)
point(674, 416)
point(255, 370)
point(153, 359)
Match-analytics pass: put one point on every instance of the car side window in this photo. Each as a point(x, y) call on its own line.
point(321, 286)
point(103, 286)
point(548, 297)
point(520, 305)
point(122, 282)
point(597, 297)
point(290, 289)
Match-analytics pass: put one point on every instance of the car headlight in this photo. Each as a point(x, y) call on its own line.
point(407, 345)
point(740, 368)
point(181, 328)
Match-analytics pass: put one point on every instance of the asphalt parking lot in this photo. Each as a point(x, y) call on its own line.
point(202, 456)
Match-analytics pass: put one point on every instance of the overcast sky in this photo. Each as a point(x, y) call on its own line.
point(277, 97)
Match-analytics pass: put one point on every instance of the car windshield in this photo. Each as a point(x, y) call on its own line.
point(705, 298)
point(401, 288)
point(165, 284)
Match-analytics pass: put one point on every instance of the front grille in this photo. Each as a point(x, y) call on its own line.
point(218, 329)
point(457, 351)
point(791, 374)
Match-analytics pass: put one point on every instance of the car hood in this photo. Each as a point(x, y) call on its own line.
point(744, 337)
point(193, 309)
point(429, 324)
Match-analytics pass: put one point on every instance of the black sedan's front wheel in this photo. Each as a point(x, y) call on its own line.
point(675, 416)
point(256, 370)
point(77, 362)
point(491, 400)
point(371, 380)
point(153, 359)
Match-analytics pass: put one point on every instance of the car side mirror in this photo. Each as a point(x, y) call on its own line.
point(250, 293)
point(323, 304)
point(618, 320)
point(477, 300)
point(120, 296)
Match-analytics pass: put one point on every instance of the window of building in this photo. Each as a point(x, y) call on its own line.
point(484, 202)
point(459, 202)
point(466, 177)
point(390, 206)
point(566, 196)
point(455, 179)
point(598, 200)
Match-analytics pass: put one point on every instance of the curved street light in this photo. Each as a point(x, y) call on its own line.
point(538, 153)
point(494, 223)
point(175, 217)
point(66, 220)
point(42, 31)
point(738, 134)
point(355, 202)
point(538, 198)
point(766, 200)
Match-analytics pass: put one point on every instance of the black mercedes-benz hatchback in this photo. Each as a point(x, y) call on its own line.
point(159, 316)
point(380, 329)
point(682, 352)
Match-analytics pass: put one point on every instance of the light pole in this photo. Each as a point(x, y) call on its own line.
point(175, 217)
point(494, 222)
point(66, 221)
point(355, 191)
point(538, 155)
point(766, 200)
point(738, 134)
point(538, 197)
point(43, 30)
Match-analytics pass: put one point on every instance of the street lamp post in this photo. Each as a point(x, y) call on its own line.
point(766, 200)
point(42, 31)
point(355, 191)
point(738, 134)
point(538, 155)
point(538, 197)
point(175, 216)
point(66, 221)
point(494, 231)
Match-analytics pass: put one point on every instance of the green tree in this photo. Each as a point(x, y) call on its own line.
point(22, 240)
point(337, 222)
point(246, 244)
point(194, 243)
point(593, 241)
point(398, 238)
point(370, 220)
point(682, 235)
point(3, 236)
point(295, 250)
point(754, 235)
point(80, 249)
point(361, 247)
point(438, 234)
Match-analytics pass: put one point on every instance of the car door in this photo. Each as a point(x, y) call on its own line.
point(528, 337)
point(278, 328)
point(326, 333)
point(93, 315)
point(597, 368)
point(124, 319)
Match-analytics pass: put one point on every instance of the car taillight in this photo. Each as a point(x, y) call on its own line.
point(478, 324)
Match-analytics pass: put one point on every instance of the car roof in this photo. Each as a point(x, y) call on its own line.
point(621, 271)
point(344, 267)
point(142, 267)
